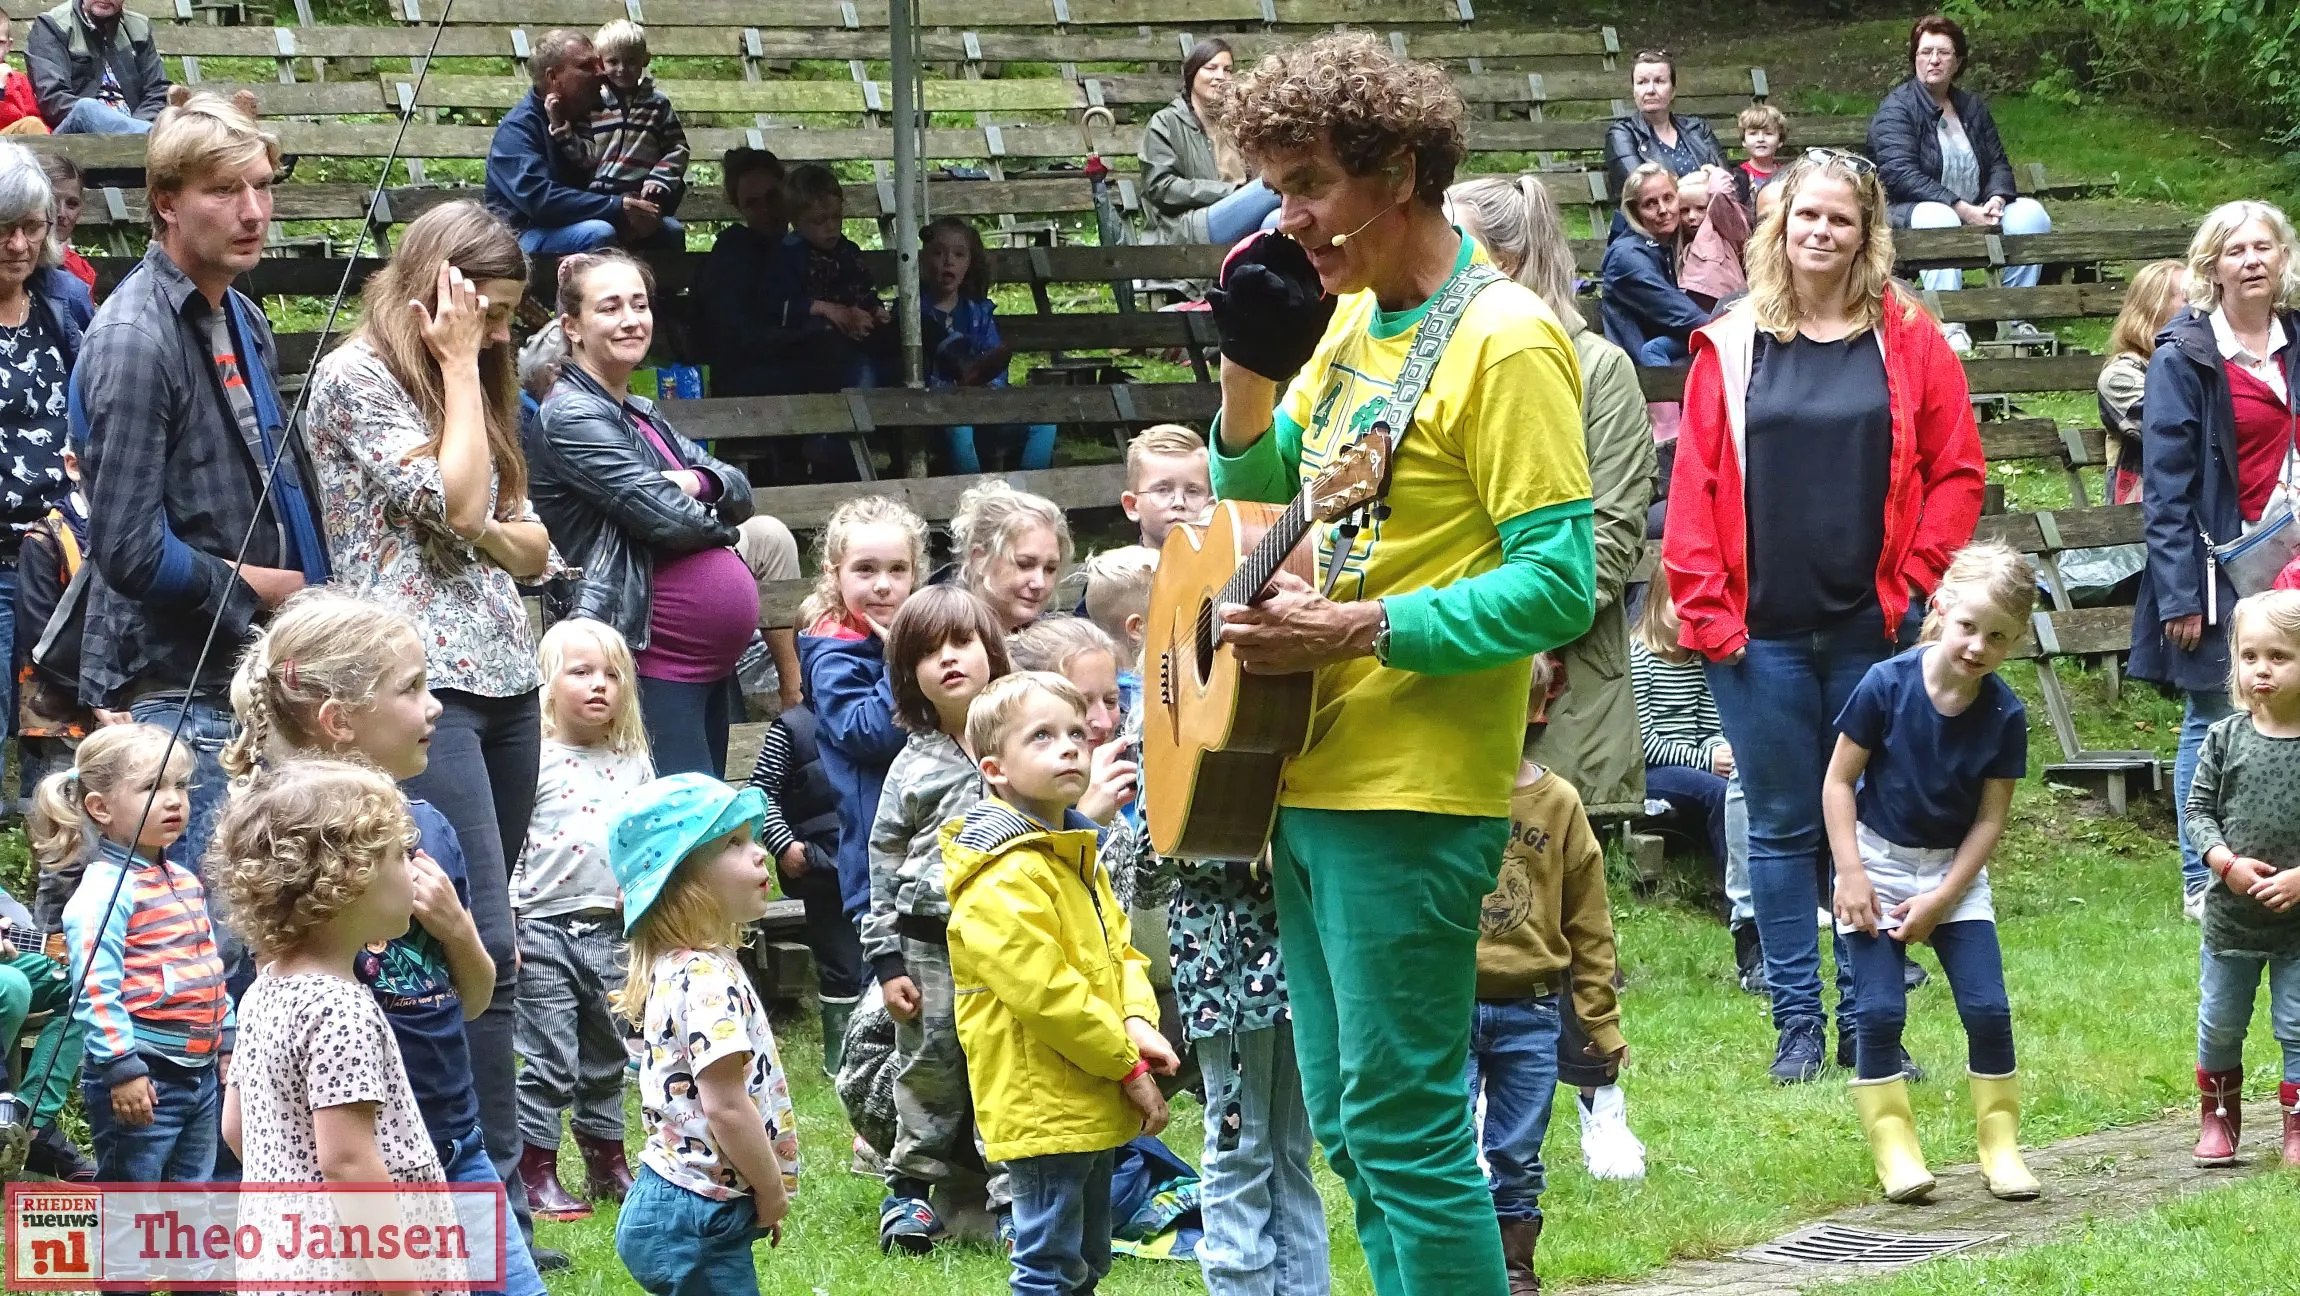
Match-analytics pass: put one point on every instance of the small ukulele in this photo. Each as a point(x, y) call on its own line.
point(1215, 739)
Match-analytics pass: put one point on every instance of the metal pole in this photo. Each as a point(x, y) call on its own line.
point(902, 26)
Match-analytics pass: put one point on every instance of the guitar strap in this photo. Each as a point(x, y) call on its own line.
point(1422, 356)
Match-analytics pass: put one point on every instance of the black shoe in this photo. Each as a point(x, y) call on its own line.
point(53, 1155)
point(1749, 958)
point(1913, 974)
point(549, 1261)
point(1797, 1058)
point(1910, 1071)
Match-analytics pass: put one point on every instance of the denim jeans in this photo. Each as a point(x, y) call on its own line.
point(687, 725)
point(2227, 983)
point(1513, 1062)
point(681, 1243)
point(179, 1146)
point(1737, 900)
point(1779, 706)
point(206, 729)
point(1975, 968)
point(1698, 796)
point(1240, 212)
point(1661, 352)
point(582, 236)
point(1031, 447)
point(95, 117)
point(2021, 216)
point(1061, 1223)
point(465, 1161)
point(1265, 1224)
point(484, 755)
point(2205, 708)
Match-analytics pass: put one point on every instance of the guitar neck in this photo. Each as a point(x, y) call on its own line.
point(1269, 554)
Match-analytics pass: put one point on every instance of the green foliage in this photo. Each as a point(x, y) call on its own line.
point(2236, 59)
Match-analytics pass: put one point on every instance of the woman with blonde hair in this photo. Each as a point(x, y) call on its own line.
point(2216, 445)
point(1645, 312)
point(2156, 294)
point(1791, 582)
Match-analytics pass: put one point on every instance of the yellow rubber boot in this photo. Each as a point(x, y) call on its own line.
point(1996, 1122)
point(1892, 1131)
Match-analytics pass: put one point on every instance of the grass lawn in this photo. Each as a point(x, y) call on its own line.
point(2244, 1238)
point(2102, 976)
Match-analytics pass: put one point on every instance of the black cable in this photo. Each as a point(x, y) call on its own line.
point(286, 434)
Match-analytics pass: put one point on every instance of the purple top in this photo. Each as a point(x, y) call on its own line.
point(706, 605)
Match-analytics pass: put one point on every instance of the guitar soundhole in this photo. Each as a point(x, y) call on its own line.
point(1202, 655)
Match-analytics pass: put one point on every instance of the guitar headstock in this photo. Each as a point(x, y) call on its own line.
point(1355, 478)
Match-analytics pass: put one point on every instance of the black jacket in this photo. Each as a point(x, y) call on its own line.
point(2188, 490)
point(66, 58)
point(1630, 141)
point(600, 489)
point(1904, 138)
point(756, 325)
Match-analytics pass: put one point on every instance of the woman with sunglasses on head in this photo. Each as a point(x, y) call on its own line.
point(1943, 164)
point(1653, 133)
point(1793, 583)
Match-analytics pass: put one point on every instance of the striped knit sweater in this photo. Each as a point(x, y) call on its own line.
point(1675, 713)
point(156, 984)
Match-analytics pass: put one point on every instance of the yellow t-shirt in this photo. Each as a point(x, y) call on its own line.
point(1497, 436)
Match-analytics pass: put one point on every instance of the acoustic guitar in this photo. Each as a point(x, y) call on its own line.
point(1215, 739)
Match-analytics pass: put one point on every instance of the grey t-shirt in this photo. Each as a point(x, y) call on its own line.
point(2247, 797)
point(1960, 169)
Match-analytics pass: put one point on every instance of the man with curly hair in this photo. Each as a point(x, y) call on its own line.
point(1391, 825)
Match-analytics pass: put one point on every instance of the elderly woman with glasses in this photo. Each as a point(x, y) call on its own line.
point(1791, 582)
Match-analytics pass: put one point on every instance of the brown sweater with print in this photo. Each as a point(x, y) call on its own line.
point(1548, 913)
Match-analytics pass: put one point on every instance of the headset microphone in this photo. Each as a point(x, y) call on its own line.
point(1340, 239)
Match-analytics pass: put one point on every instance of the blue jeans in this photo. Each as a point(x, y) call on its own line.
point(1240, 212)
point(206, 730)
point(1737, 900)
point(1513, 1057)
point(179, 1146)
point(687, 725)
point(465, 1161)
point(1033, 447)
point(1265, 1223)
point(1975, 968)
point(1697, 795)
point(680, 1243)
point(2226, 985)
point(95, 117)
point(582, 236)
point(2205, 708)
point(1061, 1222)
point(1661, 352)
point(2021, 216)
point(1779, 706)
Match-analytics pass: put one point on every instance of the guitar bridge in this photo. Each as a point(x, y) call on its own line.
point(1166, 677)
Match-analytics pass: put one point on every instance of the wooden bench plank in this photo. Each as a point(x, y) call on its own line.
point(1201, 14)
point(809, 507)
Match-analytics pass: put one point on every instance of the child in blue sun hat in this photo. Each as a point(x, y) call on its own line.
point(685, 851)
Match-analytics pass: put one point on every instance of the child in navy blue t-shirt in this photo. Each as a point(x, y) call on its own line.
point(1929, 748)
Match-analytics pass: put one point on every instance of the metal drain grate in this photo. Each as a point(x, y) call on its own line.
point(1836, 1244)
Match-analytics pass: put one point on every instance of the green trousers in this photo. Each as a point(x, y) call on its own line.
point(1378, 921)
point(31, 983)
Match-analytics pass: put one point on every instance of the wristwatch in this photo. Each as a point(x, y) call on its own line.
point(1382, 636)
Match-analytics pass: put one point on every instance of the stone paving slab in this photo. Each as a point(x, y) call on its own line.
point(2121, 1171)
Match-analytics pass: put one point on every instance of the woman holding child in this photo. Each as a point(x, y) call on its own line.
point(648, 516)
point(1794, 583)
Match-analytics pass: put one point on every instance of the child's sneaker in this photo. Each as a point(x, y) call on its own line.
point(1006, 1231)
point(1607, 1147)
point(908, 1223)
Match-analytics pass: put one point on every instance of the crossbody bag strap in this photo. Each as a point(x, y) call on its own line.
point(1437, 326)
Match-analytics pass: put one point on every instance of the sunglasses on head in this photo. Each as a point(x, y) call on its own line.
point(1856, 163)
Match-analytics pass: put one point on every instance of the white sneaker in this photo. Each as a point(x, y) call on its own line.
point(1960, 339)
point(2192, 905)
point(2020, 331)
point(1608, 1149)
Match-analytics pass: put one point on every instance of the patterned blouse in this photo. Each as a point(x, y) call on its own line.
point(386, 514)
point(701, 1009)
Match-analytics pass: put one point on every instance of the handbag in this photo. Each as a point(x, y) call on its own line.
point(2251, 562)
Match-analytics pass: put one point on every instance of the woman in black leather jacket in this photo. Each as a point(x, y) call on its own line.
point(1653, 133)
point(646, 514)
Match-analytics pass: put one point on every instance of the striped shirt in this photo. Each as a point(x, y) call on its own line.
point(155, 985)
point(1675, 713)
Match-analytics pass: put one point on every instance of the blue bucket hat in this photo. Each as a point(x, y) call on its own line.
point(664, 822)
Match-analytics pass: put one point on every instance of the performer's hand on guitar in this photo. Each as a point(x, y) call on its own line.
point(1112, 781)
point(1151, 1043)
point(1269, 306)
point(1294, 628)
point(902, 1000)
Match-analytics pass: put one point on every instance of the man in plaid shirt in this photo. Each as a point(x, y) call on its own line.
point(175, 402)
point(637, 144)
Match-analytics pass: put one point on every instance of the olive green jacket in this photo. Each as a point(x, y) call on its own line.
point(1592, 739)
point(1179, 177)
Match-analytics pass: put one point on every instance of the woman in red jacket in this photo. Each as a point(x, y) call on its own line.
point(19, 111)
point(1826, 470)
